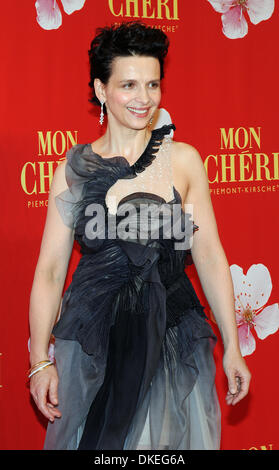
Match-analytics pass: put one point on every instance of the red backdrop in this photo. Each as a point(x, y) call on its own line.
point(222, 94)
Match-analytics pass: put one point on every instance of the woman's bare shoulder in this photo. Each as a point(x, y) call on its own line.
point(59, 182)
point(187, 159)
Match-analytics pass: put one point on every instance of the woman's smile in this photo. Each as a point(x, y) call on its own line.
point(139, 112)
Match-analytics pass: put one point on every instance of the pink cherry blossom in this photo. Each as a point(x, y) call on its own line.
point(233, 14)
point(51, 352)
point(49, 15)
point(252, 315)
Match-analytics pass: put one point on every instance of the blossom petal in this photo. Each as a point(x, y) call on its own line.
point(259, 10)
point(247, 341)
point(51, 352)
point(234, 23)
point(239, 318)
point(239, 286)
point(72, 5)
point(267, 322)
point(48, 14)
point(259, 285)
point(253, 290)
point(222, 6)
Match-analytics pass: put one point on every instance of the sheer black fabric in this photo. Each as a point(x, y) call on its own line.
point(140, 335)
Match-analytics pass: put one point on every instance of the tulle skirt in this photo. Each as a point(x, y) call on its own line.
point(180, 410)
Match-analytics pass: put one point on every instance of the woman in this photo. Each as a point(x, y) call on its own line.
point(134, 364)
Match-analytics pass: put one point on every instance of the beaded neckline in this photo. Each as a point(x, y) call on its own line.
point(148, 154)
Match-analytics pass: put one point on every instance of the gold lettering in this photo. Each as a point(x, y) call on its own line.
point(243, 166)
point(257, 136)
point(175, 10)
point(227, 138)
point(145, 9)
point(62, 145)
point(245, 137)
point(111, 7)
point(44, 143)
point(57, 143)
point(260, 165)
point(32, 204)
point(39, 180)
point(206, 162)
point(230, 167)
point(276, 166)
point(43, 176)
point(263, 447)
point(71, 140)
point(145, 4)
point(136, 8)
point(163, 3)
point(23, 178)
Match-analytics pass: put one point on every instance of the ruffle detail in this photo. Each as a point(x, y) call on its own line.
point(152, 148)
point(85, 166)
point(146, 157)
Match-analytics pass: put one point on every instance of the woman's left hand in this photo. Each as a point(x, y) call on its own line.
point(238, 376)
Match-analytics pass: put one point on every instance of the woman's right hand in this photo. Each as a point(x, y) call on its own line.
point(44, 386)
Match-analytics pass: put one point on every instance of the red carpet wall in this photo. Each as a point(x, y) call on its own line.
point(221, 91)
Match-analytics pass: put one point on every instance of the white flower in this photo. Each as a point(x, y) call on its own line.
point(49, 15)
point(251, 295)
point(233, 14)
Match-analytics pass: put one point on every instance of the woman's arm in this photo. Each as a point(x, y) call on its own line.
point(213, 268)
point(49, 278)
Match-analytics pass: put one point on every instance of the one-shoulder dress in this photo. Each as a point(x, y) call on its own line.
point(133, 347)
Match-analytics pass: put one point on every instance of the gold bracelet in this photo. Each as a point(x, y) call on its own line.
point(40, 368)
point(37, 364)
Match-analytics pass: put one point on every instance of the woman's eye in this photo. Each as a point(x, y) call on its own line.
point(128, 85)
point(131, 84)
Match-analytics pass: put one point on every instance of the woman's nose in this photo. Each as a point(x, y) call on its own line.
point(143, 95)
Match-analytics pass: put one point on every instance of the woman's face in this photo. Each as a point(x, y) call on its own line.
point(133, 91)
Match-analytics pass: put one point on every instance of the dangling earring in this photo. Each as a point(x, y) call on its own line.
point(102, 113)
point(151, 120)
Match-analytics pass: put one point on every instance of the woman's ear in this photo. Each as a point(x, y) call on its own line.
point(99, 90)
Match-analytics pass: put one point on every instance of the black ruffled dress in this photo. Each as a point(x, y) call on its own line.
point(133, 347)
